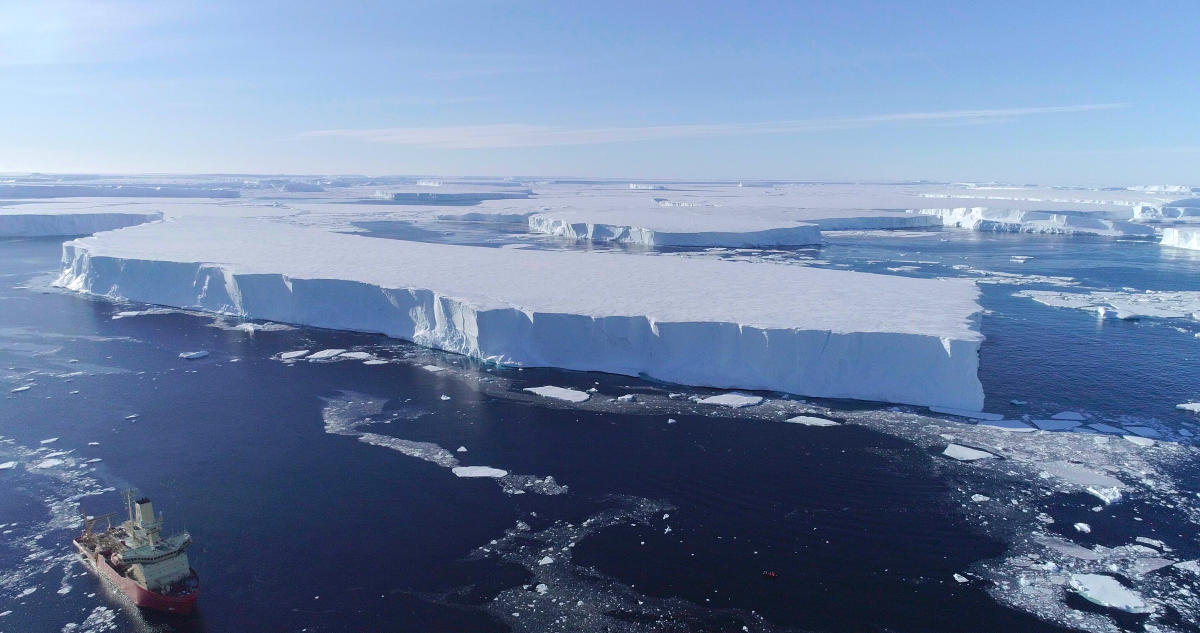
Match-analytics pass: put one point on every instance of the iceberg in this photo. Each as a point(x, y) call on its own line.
point(775, 327)
point(18, 222)
point(1188, 238)
point(1022, 221)
point(1107, 591)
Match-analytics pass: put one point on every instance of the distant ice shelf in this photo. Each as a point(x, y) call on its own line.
point(1021, 221)
point(747, 325)
point(14, 222)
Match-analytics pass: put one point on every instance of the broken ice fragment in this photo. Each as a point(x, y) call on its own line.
point(964, 413)
point(193, 355)
point(965, 454)
point(478, 471)
point(809, 420)
point(559, 393)
point(1107, 591)
point(733, 400)
point(1083, 527)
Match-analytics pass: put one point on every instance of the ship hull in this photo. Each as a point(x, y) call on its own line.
point(139, 595)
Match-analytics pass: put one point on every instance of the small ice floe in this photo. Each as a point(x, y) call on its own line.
point(546, 560)
point(1107, 494)
point(965, 413)
point(733, 400)
point(1106, 428)
point(1194, 407)
point(325, 354)
point(1143, 431)
point(1192, 566)
point(978, 498)
point(49, 463)
point(1139, 440)
point(809, 420)
point(959, 578)
point(93, 460)
point(1083, 527)
point(356, 355)
point(541, 588)
point(460, 449)
point(193, 355)
point(8, 465)
point(671, 420)
point(1074, 416)
point(1107, 591)
point(1055, 425)
point(1019, 403)
point(131, 416)
point(1020, 259)
point(20, 389)
point(629, 397)
point(965, 454)
point(445, 397)
point(294, 354)
point(478, 471)
point(433, 369)
point(49, 440)
point(559, 393)
point(1009, 425)
point(27, 592)
point(93, 443)
point(375, 361)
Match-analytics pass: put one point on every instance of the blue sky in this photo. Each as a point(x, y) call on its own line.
point(1048, 92)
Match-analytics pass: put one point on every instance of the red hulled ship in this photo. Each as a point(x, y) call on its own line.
point(151, 570)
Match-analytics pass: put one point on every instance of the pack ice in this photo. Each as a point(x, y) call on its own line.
point(749, 325)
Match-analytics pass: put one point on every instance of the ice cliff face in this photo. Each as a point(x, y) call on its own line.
point(1182, 237)
point(799, 235)
point(58, 224)
point(753, 326)
point(1018, 221)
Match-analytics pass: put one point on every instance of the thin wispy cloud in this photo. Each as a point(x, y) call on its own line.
point(511, 135)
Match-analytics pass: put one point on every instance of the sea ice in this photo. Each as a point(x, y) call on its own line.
point(21, 388)
point(478, 471)
point(1165, 304)
point(965, 454)
point(193, 355)
point(732, 400)
point(1194, 407)
point(1107, 591)
point(325, 354)
point(50, 440)
point(356, 355)
point(1074, 416)
point(1083, 527)
point(1009, 425)
point(964, 413)
point(559, 393)
point(49, 463)
point(8, 465)
point(809, 420)
point(1139, 440)
point(293, 354)
point(1055, 425)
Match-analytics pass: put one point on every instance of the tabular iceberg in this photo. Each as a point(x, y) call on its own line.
point(14, 223)
point(1188, 238)
point(765, 326)
point(1020, 221)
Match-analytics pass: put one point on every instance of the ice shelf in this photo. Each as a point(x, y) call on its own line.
point(20, 221)
point(1020, 221)
point(749, 325)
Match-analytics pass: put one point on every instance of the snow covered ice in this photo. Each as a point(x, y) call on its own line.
point(795, 329)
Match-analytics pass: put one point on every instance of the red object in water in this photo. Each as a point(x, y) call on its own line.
point(181, 600)
point(770, 574)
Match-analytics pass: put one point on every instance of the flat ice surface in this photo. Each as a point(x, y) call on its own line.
point(732, 400)
point(752, 325)
point(974, 415)
point(1194, 407)
point(1183, 304)
point(68, 218)
point(478, 471)
point(965, 454)
point(1107, 591)
point(809, 420)
point(559, 393)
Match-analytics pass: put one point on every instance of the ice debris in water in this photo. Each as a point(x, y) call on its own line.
point(8, 465)
point(325, 354)
point(1083, 527)
point(965, 454)
point(1194, 407)
point(965, 413)
point(809, 420)
point(293, 354)
point(1068, 415)
point(193, 355)
point(1055, 425)
point(733, 400)
point(20, 389)
point(49, 440)
point(478, 471)
point(559, 393)
point(461, 449)
point(1107, 591)
point(1140, 441)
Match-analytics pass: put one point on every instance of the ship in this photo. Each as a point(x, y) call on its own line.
point(152, 571)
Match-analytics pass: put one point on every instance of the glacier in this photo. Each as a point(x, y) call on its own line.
point(747, 325)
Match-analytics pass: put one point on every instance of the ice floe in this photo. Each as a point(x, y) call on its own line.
point(1107, 591)
point(1123, 304)
point(732, 400)
point(559, 393)
point(193, 355)
point(478, 471)
point(965, 453)
point(809, 420)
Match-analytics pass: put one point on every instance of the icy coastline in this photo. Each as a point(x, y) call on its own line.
point(761, 326)
point(13, 223)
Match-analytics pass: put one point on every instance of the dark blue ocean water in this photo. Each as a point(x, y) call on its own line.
point(298, 529)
